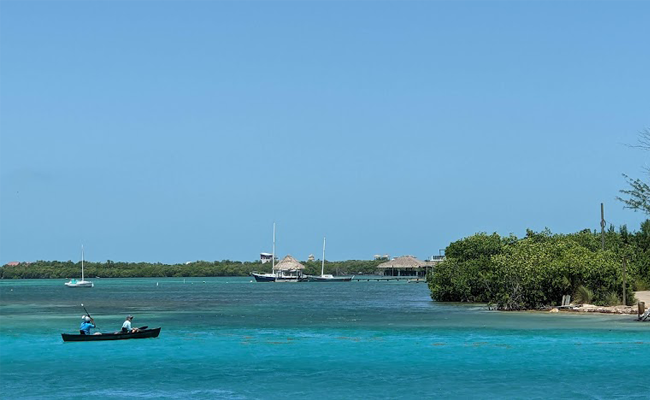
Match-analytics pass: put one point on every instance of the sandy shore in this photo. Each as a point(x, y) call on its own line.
point(643, 296)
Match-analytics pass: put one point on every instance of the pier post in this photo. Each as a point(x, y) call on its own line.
point(602, 226)
point(641, 308)
point(624, 280)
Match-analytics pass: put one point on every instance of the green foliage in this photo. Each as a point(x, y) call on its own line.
point(112, 269)
point(640, 285)
point(610, 299)
point(453, 280)
point(536, 271)
point(583, 295)
point(479, 246)
point(638, 194)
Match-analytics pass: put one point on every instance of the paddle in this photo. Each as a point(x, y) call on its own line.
point(88, 314)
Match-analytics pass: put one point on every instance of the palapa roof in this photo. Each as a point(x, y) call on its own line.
point(288, 263)
point(403, 262)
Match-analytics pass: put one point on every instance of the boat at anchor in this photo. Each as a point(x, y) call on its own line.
point(287, 270)
point(82, 283)
point(326, 277)
point(266, 277)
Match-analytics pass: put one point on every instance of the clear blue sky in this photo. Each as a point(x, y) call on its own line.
point(175, 131)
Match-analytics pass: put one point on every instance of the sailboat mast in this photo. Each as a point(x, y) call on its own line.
point(82, 263)
point(273, 255)
point(322, 267)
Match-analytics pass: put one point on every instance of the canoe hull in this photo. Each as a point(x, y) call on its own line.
point(145, 334)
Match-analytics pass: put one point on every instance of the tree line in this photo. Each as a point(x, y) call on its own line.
point(537, 270)
point(112, 269)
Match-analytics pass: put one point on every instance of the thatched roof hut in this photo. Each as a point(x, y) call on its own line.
point(289, 263)
point(403, 262)
point(405, 266)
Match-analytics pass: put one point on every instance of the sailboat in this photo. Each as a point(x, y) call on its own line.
point(82, 282)
point(328, 277)
point(260, 277)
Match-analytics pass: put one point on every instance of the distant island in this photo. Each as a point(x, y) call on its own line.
point(112, 269)
point(533, 272)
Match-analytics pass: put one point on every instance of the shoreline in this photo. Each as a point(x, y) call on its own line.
point(641, 296)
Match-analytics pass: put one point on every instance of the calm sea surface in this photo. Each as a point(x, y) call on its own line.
point(232, 338)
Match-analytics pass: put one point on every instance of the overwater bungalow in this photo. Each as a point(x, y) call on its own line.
point(406, 266)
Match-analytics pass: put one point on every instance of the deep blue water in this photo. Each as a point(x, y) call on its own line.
point(232, 338)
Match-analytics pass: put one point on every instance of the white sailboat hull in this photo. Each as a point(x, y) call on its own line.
point(83, 282)
point(328, 278)
point(79, 284)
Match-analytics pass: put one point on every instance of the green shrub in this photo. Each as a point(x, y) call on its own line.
point(641, 285)
point(583, 295)
point(610, 299)
point(536, 271)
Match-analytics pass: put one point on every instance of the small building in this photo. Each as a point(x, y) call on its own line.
point(289, 267)
point(13, 263)
point(311, 257)
point(405, 266)
point(266, 257)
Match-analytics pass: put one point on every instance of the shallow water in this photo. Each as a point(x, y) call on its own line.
point(232, 338)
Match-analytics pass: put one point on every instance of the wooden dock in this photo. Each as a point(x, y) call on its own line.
point(410, 279)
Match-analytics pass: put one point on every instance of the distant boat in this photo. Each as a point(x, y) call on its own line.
point(263, 277)
point(287, 270)
point(82, 283)
point(266, 277)
point(328, 277)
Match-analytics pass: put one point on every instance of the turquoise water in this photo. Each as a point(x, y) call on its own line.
point(232, 338)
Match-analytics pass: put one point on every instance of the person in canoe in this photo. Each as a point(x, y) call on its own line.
point(126, 326)
point(86, 324)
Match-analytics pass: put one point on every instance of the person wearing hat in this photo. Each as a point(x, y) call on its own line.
point(86, 323)
point(126, 326)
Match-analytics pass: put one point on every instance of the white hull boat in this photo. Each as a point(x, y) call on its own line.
point(326, 277)
point(82, 283)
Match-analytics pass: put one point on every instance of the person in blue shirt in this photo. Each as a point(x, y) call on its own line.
point(86, 323)
point(126, 326)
